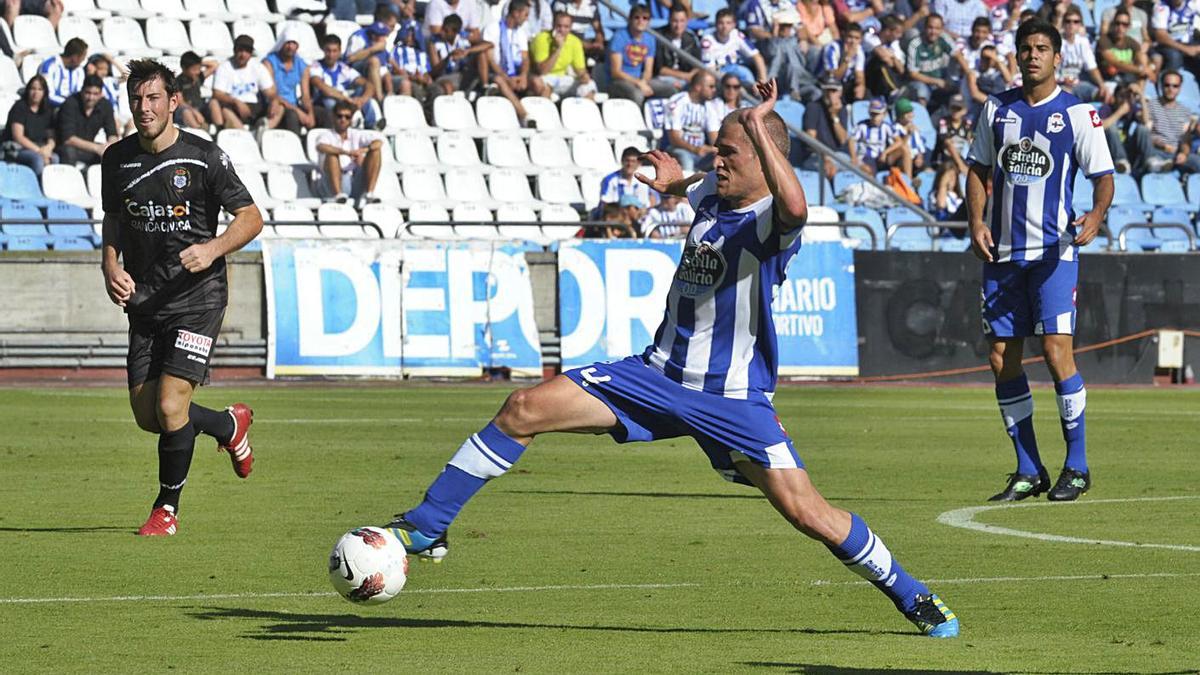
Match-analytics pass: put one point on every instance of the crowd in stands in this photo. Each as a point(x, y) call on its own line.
point(867, 78)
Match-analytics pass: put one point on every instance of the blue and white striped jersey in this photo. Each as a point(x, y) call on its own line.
point(613, 187)
point(687, 117)
point(831, 56)
point(718, 334)
point(61, 80)
point(870, 141)
point(1036, 150)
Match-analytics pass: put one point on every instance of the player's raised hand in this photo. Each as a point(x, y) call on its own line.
point(119, 284)
point(768, 91)
point(666, 170)
point(981, 242)
point(1090, 223)
point(196, 258)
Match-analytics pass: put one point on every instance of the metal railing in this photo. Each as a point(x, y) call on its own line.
point(1187, 230)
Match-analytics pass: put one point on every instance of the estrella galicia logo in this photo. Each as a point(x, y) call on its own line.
point(1025, 163)
point(180, 179)
point(700, 270)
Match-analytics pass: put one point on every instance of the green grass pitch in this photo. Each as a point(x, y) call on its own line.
point(591, 557)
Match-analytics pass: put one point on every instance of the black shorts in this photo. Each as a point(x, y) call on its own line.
point(177, 344)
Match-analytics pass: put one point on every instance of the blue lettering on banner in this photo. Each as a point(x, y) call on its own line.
point(612, 295)
point(393, 308)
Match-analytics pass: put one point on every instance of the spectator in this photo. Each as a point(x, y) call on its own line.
point(877, 144)
point(818, 25)
point(929, 65)
point(789, 59)
point(884, 69)
point(508, 65)
point(558, 58)
point(408, 66)
point(861, 12)
point(990, 76)
point(51, 9)
point(540, 17)
point(350, 158)
point(759, 18)
point(192, 106)
point(622, 181)
point(1120, 57)
point(959, 15)
point(633, 209)
point(672, 218)
point(1162, 141)
point(332, 80)
point(80, 119)
point(950, 152)
point(1078, 59)
point(1118, 118)
point(1174, 26)
point(585, 17)
point(471, 19)
point(102, 65)
point(28, 136)
point(631, 61)
point(827, 123)
point(844, 61)
point(1139, 23)
point(243, 90)
point(905, 122)
point(454, 58)
point(348, 10)
point(406, 17)
point(1053, 11)
point(366, 49)
point(616, 224)
point(670, 66)
point(728, 99)
point(687, 125)
point(662, 8)
point(723, 50)
point(64, 73)
point(292, 88)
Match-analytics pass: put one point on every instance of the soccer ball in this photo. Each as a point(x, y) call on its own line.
point(368, 565)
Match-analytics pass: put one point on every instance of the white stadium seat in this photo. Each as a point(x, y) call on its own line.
point(168, 35)
point(558, 186)
point(467, 186)
point(559, 213)
point(290, 185)
point(592, 151)
point(510, 217)
point(415, 149)
point(94, 182)
point(253, 181)
point(197, 132)
point(589, 185)
point(84, 29)
point(29, 67)
point(515, 213)
point(507, 149)
point(6, 103)
point(131, 9)
point(310, 49)
point(10, 77)
point(387, 217)
point(622, 115)
point(541, 111)
point(495, 113)
point(209, 9)
point(302, 218)
point(458, 149)
point(35, 32)
point(170, 9)
point(422, 184)
point(404, 113)
point(477, 222)
point(260, 31)
point(551, 152)
point(211, 37)
point(581, 114)
point(422, 212)
point(343, 29)
point(283, 147)
point(387, 189)
point(631, 140)
point(65, 183)
point(512, 187)
point(241, 147)
point(454, 113)
point(334, 212)
point(255, 9)
point(124, 35)
point(83, 9)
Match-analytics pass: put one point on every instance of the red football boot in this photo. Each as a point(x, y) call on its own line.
point(161, 523)
point(239, 449)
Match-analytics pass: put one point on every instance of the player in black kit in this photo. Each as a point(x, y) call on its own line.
point(162, 192)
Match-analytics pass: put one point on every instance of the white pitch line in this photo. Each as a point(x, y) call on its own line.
point(964, 518)
point(1002, 580)
point(241, 596)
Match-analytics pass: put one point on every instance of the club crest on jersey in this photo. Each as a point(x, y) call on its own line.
point(1025, 163)
point(1096, 121)
point(1055, 124)
point(700, 270)
point(180, 179)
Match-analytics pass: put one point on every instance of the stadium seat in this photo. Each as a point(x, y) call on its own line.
point(10, 79)
point(29, 66)
point(507, 149)
point(72, 244)
point(869, 216)
point(425, 212)
point(519, 222)
point(242, 149)
point(19, 183)
point(28, 243)
point(334, 212)
point(551, 152)
point(642, 143)
point(256, 28)
point(6, 104)
point(170, 9)
point(253, 181)
point(557, 222)
point(167, 35)
point(813, 182)
point(592, 151)
point(928, 179)
point(414, 149)
point(792, 111)
point(623, 116)
point(454, 113)
point(924, 124)
point(255, 9)
point(476, 222)
point(65, 211)
point(297, 222)
point(844, 179)
point(123, 34)
point(466, 185)
point(94, 182)
point(211, 37)
point(541, 111)
point(35, 32)
point(1081, 194)
point(495, 113)
point(17, 211)
point(388, 218)
point(65, 183)
point(387, 189)
point(1120, 217)
point(558, 186)
point(422, 185)
point(589, 185)
point(1174, 240)
point(283, 147)
point(859, 112)
point(404, 113)
point(907, 238)
point(210, 9)
point(823, 215)
point(1126, 193)
point(455, 148)
point(83, 9)
point(581, 115)
point(343, 29)
point(509, 186)
point(290, 185)
point(72, 26)
point(131, 9)
point(1165, 189)
point(310, 49)
point(610, 19)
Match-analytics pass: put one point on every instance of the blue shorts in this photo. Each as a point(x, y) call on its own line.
point(1024, 298)
point(650, 406)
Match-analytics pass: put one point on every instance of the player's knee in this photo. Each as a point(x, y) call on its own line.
point(517, 416)
point(172, 412)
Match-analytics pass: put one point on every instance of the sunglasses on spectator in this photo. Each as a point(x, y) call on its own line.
point(732, 86)
point(1073, 21)
point(1168, 85)
point(345, 117)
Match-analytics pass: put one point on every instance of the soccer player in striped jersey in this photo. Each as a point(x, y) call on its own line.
point(709, 374)
point(1029, 144)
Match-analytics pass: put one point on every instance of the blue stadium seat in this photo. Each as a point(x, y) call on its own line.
point(791, 110)
point(16, 212)
point(844, 179)
point(1081, 194)
point(1173, 239)
point(72, 244)
point(1119, 217)
point(858, 113)
point(811, 181)
point(1193, 189)
point(254, 245)
point(1098, 10)
point(1165, 189)
point(610, 19)
point(65, 211)
point(1126, 193)
point(1189, 91)
point(871, 218)
point(908, 238)
point(19, 183)
point(28, 243)
point(928, 182)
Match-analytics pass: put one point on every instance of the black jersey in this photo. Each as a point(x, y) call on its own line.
point(166, 202)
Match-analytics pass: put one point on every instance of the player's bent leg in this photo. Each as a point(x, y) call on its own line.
point(143, 400)
point(1016, 412)
point(555, 405)
point(1075, 479)
point(847, 536)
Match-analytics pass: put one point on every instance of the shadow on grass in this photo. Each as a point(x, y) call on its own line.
point(327, 627)
point(70, 530)
point(815, 669)
point(748, 494)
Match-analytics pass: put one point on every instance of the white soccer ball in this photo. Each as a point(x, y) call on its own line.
point(368, 565)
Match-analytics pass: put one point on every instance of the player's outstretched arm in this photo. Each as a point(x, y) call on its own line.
point(791, 205)
point(668, 175)
point(247, 223)
point(117, 281)
point(1088, 224)
point(981, 234)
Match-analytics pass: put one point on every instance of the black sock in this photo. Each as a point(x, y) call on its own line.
point(174, 459)
point(215, 423)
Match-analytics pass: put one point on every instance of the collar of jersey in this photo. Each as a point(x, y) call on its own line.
point(1046, 100)
point(752, 207)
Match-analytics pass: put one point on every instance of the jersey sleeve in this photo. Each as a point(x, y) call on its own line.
point(674, 121)
point(702, 188)
point(1091, 147)
point(223, 182)
point(1161, 18)
point(983, 149)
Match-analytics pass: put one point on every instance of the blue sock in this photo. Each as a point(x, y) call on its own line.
point(1016, 409)
point(866, 555)
point(482, 457)
point(1072, 399)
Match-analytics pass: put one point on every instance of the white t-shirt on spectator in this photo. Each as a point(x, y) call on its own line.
point(438, 10)
point(355, 139)
point(715, 53)
point(244, 84)
point(515, 40)
point(1077, 57)
point(871, 42)
point(687, 117)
